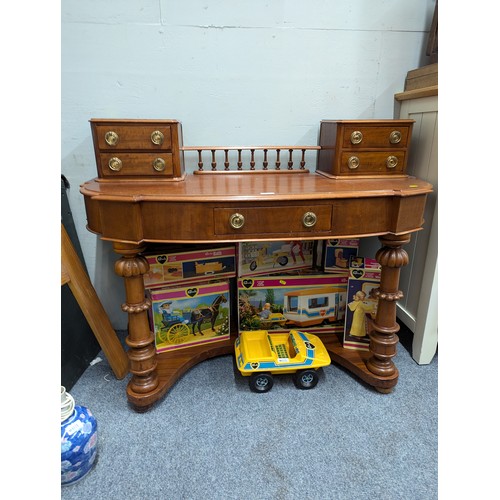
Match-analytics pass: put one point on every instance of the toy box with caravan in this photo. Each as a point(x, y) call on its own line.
point(284, 302)
point(260, 355)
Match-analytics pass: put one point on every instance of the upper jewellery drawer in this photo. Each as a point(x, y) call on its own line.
point(130, 137)
point(269, 221)
point(359, 136)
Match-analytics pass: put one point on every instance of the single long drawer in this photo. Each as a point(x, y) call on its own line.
point(135, 164)
point(127, 137)
point(272, 220)
point(363, 163)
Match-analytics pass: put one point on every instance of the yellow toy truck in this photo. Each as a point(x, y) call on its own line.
point(260, 355)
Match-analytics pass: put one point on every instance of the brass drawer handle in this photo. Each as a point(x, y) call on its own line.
point(395, 137)
point(159, 164)
point(391, 161)
point(157, 138)
point(309, 219)
point(115, 164)
point(356, 137)
point(111, 138)
point(237, 221)
point(353, 162)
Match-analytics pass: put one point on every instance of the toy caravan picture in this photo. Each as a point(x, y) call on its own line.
point(281, 303)
point(338, 253)
point(314, 306)
point(189, 316)
point(264, 257)
point(188, 267)
point(364, 280)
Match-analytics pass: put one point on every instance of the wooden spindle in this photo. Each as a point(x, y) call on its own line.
point(278, 162)
point(290, 162)
point(200, 161)
point(226, 159)
point(214, 163)
point(303, 160)
point(265, 162)
point(252, 159)
point(240, 163)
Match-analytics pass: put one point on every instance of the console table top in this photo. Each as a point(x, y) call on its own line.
point(253, 187)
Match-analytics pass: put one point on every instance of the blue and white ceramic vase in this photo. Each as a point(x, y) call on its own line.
point(78, 440)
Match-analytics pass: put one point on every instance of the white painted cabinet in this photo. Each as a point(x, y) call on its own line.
point(418, 309)
point(419, 280)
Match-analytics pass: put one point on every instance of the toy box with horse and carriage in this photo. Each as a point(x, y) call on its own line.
point(191, 315)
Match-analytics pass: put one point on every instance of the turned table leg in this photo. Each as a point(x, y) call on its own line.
point(383, 338)
point(142, 355)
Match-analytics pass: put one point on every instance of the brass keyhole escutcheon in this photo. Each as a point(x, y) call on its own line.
point(395, 137)
point(309, 219)
point(236, 221)
point(159, 164)
point(356, 137)
point(391, 161)
point(115, 164)
point(157, 138)
point(353, 162)
point(111, 138)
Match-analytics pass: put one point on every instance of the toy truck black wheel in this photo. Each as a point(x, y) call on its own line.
point(283, 261)
point(261, 382)
point(306, 379)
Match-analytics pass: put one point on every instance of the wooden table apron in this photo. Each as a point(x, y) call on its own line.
point(197, 209)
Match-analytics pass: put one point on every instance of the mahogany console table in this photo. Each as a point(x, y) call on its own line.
point(274, 206)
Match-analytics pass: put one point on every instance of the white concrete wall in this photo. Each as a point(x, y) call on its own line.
point(233, 72)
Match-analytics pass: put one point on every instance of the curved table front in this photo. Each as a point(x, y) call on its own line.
point(250, 207)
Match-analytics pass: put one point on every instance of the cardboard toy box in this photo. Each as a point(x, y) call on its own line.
point(257, 258)
point(182, 317)
point(364, 279)
point(337, 254)
point(166, 269)
point(315, 303)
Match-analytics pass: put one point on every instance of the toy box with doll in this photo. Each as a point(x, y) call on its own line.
point(337, 254)
point(269, 257)
point(284, 302)
point(187, 316)
point(166, 268)
point(364, 279)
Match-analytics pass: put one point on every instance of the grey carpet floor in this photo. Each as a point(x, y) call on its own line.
point(212, 438)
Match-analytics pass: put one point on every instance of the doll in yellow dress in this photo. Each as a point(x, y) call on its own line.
point(359, 309)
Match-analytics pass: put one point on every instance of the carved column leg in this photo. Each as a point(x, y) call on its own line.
point(383, 338)
point(140, 339)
